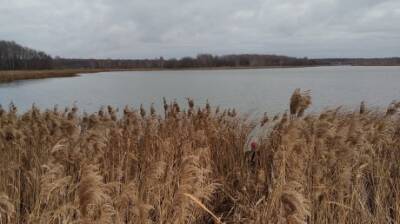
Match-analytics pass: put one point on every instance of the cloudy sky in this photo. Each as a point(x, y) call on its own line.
point(175, 28)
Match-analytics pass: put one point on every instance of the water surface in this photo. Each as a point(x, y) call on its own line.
point(248, 90)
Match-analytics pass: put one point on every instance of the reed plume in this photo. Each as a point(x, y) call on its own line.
point(189, 166)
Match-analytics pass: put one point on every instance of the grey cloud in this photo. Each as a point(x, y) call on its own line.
point(175, 28)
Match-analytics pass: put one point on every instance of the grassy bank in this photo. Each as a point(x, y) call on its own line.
point(190, 167)
point(9, 76)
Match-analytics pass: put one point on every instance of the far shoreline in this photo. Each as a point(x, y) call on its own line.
point(17, 75)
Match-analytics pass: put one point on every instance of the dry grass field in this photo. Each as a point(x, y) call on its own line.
point(188, 166)
point(9, 76)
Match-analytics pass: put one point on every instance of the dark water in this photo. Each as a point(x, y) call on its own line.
point(253, 90)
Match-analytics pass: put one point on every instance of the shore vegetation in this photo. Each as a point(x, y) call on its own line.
point(187, 165)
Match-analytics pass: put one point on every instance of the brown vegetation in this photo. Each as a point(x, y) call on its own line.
point(9, 76)
point(190, 167)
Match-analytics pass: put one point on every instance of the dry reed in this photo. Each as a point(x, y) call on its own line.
point(190, 167)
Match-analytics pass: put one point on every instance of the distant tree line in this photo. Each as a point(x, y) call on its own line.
point(360, 61)
point(17, 57)
point(201, 61)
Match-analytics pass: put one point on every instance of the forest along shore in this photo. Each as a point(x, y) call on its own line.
point(18, 63)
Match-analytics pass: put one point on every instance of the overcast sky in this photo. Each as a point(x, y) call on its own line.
point(175, 28)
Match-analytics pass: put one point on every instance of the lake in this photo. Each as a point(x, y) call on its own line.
point(247, 90)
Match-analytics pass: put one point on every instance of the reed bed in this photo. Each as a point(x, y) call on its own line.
point(189, 166)
point(10, 76)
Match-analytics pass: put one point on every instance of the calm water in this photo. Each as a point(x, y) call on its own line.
point(253, 90)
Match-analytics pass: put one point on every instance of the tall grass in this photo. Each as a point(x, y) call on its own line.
point(10, 76)
point(190, 167)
